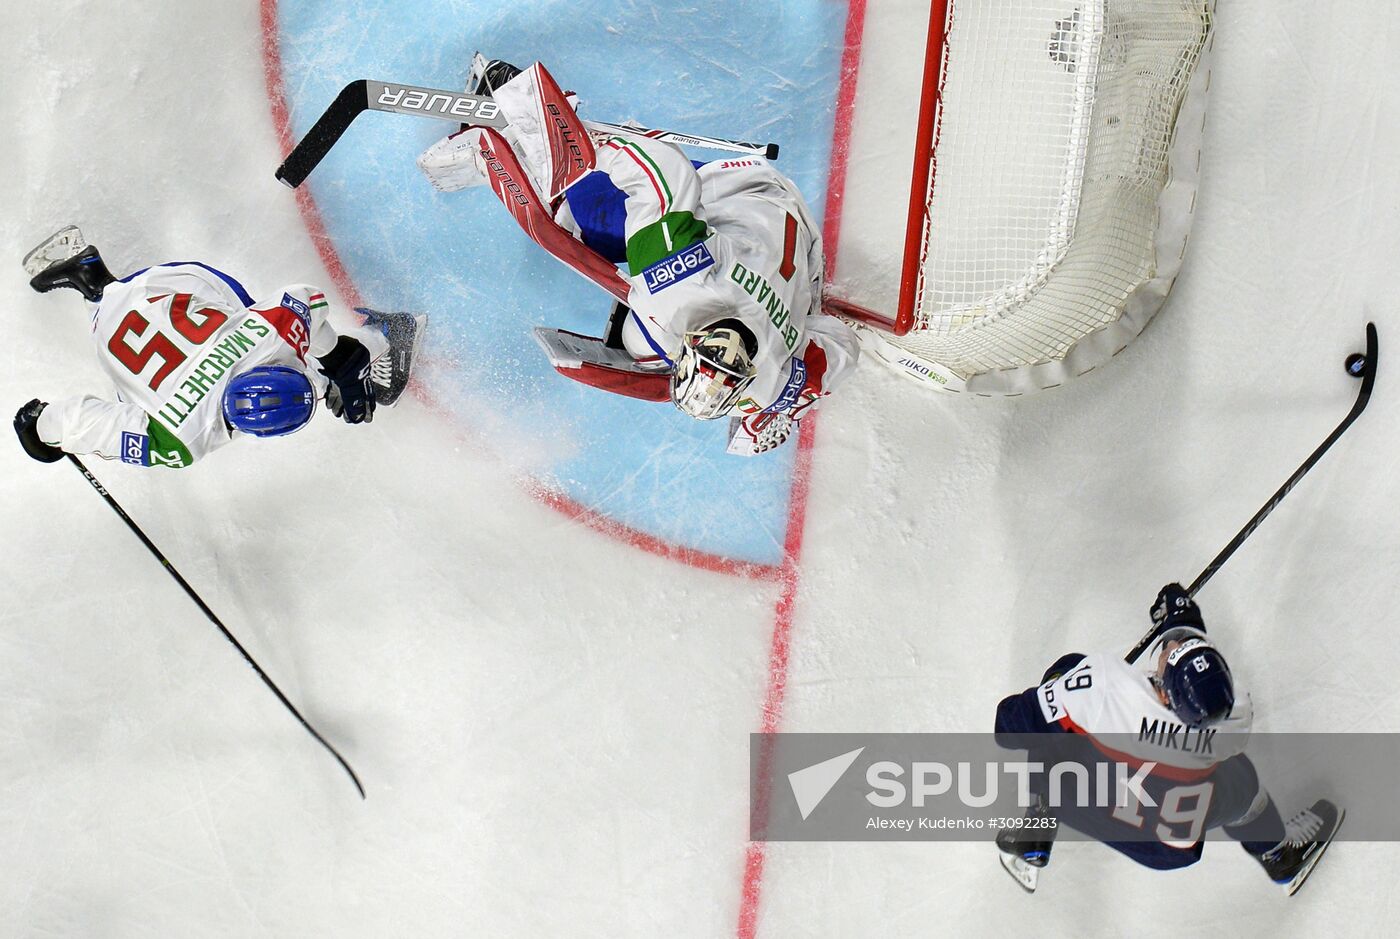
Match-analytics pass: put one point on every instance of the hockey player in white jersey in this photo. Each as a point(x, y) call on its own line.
point(1185, 715)
point(197, 362)
point(724, 261)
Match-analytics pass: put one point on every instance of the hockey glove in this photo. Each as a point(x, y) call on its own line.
point(27, 429)
point(454, 162)
point(351, 394)
point(758, 433)
point(1061, 665)
point(1174, 607)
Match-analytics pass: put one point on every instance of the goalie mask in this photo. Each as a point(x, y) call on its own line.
point(713, 369)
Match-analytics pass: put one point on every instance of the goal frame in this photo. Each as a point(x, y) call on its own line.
point(925, 157)
point(1175, 210)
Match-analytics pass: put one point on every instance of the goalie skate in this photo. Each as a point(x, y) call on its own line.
point(486, 75)
point(391, 371)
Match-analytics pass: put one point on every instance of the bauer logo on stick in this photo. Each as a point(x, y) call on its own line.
point(408, 99)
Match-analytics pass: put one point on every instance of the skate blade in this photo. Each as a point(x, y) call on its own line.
point(1021, 872)
point(1302, 875)
point(60, 246)
point(420, 326)
point(477, 68)
point(389, 395)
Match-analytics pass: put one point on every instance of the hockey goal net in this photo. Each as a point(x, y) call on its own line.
point(1053, 183)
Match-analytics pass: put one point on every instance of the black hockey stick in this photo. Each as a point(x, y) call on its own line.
point(87, 474)
point(1367, 363)
point(456, 106)
point(312, 149)
point(364, 95)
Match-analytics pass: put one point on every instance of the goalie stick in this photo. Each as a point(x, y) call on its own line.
point(204, 608)
point(769, 151)
point(1368, 361)
point(455, 106)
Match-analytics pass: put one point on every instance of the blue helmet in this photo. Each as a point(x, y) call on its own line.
point(269, 401)
point(1197, 681)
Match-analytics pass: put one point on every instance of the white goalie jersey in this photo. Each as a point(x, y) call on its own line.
point(731, 239)
point(730, 244)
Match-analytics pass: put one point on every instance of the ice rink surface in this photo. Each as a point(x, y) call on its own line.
point(552, 722)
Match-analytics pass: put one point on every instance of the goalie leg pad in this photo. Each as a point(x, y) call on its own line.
point(592, 361)
point(545, 132)
point(512, 185)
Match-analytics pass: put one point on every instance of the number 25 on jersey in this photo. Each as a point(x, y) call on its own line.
point(195, 327)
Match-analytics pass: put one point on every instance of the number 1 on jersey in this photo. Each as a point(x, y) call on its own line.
point(789, 265)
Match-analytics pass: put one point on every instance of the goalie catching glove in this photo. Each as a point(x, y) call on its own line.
point(758, 433)
point(761, 431)
point(454, 163)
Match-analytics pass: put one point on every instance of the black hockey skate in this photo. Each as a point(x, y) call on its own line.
point(612, 336)
point(1306, 837)
point(390, 372)
point(1025, 851)
point(489, 74)
point(64, 259)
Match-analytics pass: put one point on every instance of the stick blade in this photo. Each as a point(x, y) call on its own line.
point(307, 155)
point(1373, 352)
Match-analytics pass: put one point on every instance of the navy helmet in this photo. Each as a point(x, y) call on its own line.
point(269, 401)
point(1197, 681)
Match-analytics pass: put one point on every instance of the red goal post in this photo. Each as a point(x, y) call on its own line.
point(1053, 181)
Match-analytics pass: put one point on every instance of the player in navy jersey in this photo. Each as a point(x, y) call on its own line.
point(1183, 714)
